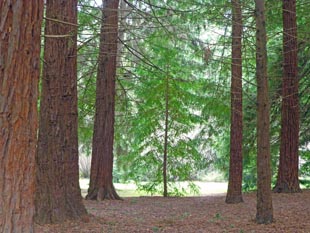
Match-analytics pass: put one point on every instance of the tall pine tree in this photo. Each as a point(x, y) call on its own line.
point(264, 212)
point(234, 193)
point(58, 195)
point(101, 178)
point(287, 180)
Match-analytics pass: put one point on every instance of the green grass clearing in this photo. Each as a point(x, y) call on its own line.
point(130, 189)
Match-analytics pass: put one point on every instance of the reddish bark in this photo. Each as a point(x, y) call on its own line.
point(101, 177)
point(287, 180)
point(20, 29)
point(234, 192)
point(264, 212)
point(58, 195)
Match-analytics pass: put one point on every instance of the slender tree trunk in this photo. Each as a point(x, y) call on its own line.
point(101, 177)
point(20, 30)
point(165, 194)
point(287, 180)
point(264, 212)
point(58, 195)
point(234, 193)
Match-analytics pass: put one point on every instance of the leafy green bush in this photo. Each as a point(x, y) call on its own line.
point(305, 168)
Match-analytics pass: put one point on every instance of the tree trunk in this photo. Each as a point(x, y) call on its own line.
point(20, 30)
point(264, 212)
point(234, 193)
point(101, 177)
point(58, 195)
point(165, 194)
point(287, 180)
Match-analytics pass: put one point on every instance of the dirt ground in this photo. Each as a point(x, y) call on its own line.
point(189, 214)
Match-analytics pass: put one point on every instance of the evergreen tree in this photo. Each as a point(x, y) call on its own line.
point(101, 185)
point(264, 212)
point(58, 195)
point(287, 180)
point(234, 193)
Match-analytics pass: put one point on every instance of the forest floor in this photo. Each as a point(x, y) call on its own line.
point(189, 214)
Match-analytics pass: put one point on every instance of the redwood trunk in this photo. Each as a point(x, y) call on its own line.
point(287, 180)
point(20, 29)
point(101, 177)
point(58, 195)
point(234, 193)
point(264, 212)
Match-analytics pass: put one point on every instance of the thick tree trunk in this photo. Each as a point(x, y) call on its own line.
point(234, 193)
point(20, 30)
point(287, 180)
point(101, 177)
point(58, 195)
point(264, 212)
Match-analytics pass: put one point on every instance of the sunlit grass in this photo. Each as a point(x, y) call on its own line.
point(130, 189)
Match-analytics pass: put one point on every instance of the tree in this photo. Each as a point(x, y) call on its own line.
point(101, 177)
point(234, 193)
point(58, 195)
point(166, 130)
point(264, 212)
point(142, 25)
point(165, 89)
point(19, 74)
point(287, 180)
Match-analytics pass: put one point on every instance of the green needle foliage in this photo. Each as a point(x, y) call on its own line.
point(174, 62)
point(167, 41)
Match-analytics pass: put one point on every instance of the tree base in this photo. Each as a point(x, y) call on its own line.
point(283, 187)
point(63, 214)
point(99, 194)
point(234, 199)
point(264, 218)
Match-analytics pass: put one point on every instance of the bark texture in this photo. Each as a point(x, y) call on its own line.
point(234, 193)
point(20, 29)
point(58, 195)
point(287, 180)
point(264, 212)
point(101, 176)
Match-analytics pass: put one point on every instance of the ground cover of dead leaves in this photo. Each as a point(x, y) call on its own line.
point(189, 214)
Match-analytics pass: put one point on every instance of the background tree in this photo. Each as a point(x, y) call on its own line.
point(19, 74)
point(101, 178)
point(195, 26)
point(58, 196)
point(160, 71)
point(264, 212)
point(234, 192)
point(287, 180)
point(89, 19)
